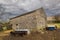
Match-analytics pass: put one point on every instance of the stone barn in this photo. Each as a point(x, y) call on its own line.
point(33, 21)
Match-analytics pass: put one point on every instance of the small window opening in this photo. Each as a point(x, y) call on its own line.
point(16, 24)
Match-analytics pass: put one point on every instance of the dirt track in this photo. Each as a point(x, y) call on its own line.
point(48, 35)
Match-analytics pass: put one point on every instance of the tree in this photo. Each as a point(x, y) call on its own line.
point(57, 17)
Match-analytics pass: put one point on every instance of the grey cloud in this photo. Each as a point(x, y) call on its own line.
point(52, 7)
point(12, 8)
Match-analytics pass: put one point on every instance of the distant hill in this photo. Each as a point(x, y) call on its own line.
point(55, 17)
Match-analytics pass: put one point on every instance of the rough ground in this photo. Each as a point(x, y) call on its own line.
point(48, 35)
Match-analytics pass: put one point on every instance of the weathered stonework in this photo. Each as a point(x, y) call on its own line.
point(34, 21)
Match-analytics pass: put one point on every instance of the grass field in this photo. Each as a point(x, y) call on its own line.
point(56, 24)
point(48, 35)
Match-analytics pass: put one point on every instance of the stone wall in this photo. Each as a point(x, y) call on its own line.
point(34, 20)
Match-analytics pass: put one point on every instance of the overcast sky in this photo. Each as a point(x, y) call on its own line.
point(11, 8)
point(52, 6)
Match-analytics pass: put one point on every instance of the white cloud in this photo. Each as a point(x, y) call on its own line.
point(18, 7)
point(53, 6)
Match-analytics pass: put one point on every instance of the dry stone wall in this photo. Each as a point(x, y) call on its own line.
point(34, 20)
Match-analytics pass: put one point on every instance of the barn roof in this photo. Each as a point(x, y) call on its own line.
point(25, 13)
point(22, 15)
